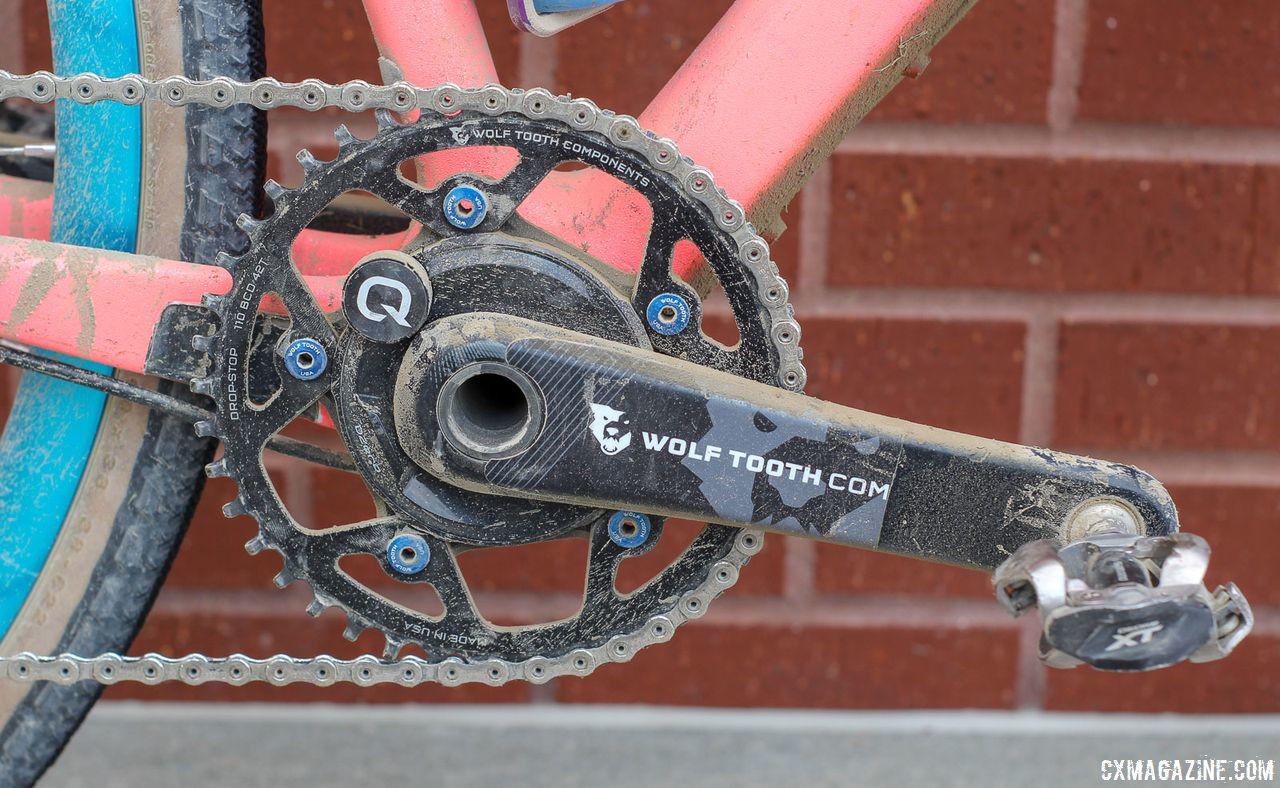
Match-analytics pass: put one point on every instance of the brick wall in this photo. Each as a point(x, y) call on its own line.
point(1066, 233)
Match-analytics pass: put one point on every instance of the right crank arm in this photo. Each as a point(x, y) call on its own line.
point(509, 406)
point(610, 426)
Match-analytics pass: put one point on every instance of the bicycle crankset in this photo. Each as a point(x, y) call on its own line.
point(494, 387)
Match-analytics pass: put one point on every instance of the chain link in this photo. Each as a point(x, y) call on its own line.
point(400, 97)
point(178, 91)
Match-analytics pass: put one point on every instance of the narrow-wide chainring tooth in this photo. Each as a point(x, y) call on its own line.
point(202, 386)
point(308, 161)
point(217, 469)
point(353, 630)
point(344, 138)
point(256, 545)
point(250, 226)
point(204, 343)
point(273, 189)
point(226, 261)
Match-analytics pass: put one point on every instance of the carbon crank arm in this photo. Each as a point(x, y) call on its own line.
point(503, 405)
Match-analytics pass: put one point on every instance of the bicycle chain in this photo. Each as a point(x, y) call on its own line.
point(401, 97)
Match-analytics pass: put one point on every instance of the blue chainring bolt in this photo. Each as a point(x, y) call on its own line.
point(408, 554)
point(668, 314)
point(465, 207)
point(629, 529)
point(305, 359)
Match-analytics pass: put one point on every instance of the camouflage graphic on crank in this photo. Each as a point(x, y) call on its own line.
point(609, 423)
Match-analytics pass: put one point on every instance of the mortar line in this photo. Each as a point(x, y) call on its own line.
point(978, 304)
point(1039, 380)
point(1095, 141)
point(1070, 28)
point(798, 565)
point(1199, 467)
point(1031, 675)
point(815, 221)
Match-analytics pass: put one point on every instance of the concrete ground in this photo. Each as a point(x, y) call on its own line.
point(137, 744)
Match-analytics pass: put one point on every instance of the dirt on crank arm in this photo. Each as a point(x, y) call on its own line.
point(509, 406)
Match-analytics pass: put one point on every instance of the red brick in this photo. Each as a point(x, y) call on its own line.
point(1167, 386)
point(1240, 524)
point(170, 630)
point(622, 58)
point(960, 375)
point(332, 498)
point(36, 45)
point(813, 666)
point(1247, 682)
point(993, 67)
point(1212, 63)
point(1067, 225)
point(333, 41)
point(558, 566)
point(844, 570)
point(1265, 274)
point(785, 249)
point(212, 554)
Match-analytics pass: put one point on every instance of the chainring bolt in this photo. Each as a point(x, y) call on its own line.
point(465, 207)
point(629, 529)
point(305, 359)
point(408, 554)
point(668, 314)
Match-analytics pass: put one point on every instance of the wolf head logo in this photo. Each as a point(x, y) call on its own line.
point(606, 425)
point(460, 134)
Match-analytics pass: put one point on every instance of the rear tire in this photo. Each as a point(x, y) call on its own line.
point(145, 471)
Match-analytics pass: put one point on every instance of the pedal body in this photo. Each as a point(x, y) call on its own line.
point(1121, 602)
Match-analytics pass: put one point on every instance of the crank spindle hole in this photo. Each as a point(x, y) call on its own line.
point(490, 410)
point(492, 405)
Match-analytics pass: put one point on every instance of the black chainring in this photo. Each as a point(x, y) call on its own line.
point(502, 265)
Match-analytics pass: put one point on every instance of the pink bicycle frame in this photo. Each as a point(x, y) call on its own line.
point(762, 101)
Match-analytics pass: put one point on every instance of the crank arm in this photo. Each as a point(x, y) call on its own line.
point(503, 405)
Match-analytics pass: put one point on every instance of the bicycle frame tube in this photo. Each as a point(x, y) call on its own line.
point(761, 102)
point(26, 211)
